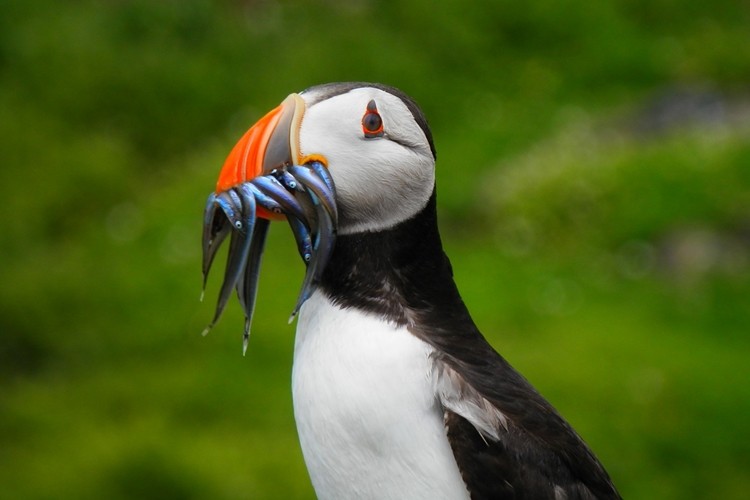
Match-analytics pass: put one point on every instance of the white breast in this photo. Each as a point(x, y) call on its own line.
point(368, 418)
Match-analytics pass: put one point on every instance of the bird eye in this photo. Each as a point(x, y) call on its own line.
point(372, 123)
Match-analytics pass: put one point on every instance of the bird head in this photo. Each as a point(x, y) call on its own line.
point(373, 140)
point(336, 158)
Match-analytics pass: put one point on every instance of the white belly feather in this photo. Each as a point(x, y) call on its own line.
point(368, 419)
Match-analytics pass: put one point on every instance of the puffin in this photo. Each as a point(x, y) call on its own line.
point(396, 392)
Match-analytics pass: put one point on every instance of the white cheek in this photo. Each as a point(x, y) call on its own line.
point(379, 182)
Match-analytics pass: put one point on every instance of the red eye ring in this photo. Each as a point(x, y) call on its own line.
point(372, 123)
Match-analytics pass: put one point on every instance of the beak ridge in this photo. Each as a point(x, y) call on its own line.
point(273, 142)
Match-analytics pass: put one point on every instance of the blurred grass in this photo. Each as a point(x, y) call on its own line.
point(594, 186)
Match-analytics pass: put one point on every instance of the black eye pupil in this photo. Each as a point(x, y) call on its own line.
point(372, 122)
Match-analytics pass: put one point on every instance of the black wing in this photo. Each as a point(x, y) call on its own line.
point(532, 453)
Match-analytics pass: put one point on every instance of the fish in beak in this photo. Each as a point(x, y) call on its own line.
point(265, 178)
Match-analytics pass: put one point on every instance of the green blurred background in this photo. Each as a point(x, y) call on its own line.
point(594, 193)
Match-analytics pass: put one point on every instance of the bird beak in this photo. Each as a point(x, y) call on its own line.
point(266, 178)
point(272, 143)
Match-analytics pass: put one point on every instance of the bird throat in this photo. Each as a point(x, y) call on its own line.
point(388, 272)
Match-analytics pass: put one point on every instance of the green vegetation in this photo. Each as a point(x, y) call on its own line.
point(594, 188)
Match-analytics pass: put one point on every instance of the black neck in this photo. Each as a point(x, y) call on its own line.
point(396, 272)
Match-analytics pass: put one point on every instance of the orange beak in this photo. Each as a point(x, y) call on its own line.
point(273, 142)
